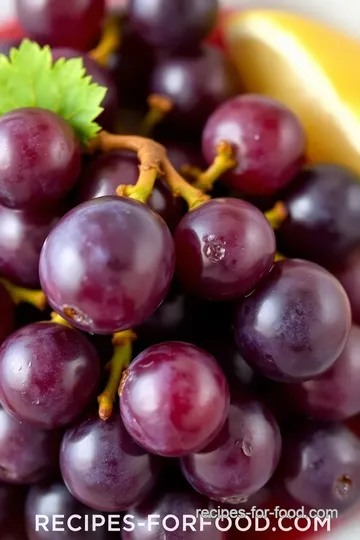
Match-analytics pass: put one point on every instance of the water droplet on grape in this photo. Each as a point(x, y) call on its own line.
point(214, 248)
point(343, 486)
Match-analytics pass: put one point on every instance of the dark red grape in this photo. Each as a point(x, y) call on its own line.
point(104, 468)
point(347, 272)
point(27, 454)
point(334, 395)
point(175, 24)
point(268, 140)
point(296, 324)
point(51, 499)
point(22, 235)
point(40, 158)
point(223, 249)
point(241, 460)
point(107, 265)
point(323, 222)
point(74, 24)
point(320, 466)
point(103, 174)
point(100, 76)
point(197, 83)
point(172, 503)
point(7, 314)
point(48, 374)
point(174, 399)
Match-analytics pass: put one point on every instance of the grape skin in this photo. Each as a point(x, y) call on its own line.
point(40, 158)
point(296, 324)
point(103, 467)
point(107, 265)
point(347, 272)
point(174, 399)
point(48, 374)
point(223, 249)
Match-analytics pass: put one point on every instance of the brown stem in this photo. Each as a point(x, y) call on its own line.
point(153, 162)
point(159, 107)
point(109, 42)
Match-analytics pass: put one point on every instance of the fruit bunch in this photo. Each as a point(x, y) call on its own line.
point(179, 288)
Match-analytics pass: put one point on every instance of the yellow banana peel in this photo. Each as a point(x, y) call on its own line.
point(313, 69)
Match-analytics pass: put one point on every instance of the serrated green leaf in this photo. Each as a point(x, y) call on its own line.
point(28, 78)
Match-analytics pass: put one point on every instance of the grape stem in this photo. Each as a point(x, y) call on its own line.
point(224, 161)
point(277, 215)
point(120, 361)
point(21, 295)
point(153, 163)
point(159, 107)
point(56, 318)
point(108, 44)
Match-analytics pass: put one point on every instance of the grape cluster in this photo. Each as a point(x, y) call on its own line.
point(197, 318)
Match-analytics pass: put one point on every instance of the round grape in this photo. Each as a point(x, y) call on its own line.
point(296, 324)
point(268, 140)
point(223, 249)
point(48, 374)
point(320, 466)
point(174, 399)
point(348, 273)
point(40, 158)
point(323, 222)
point(75, 24)
point(104, 468)
point(241, 460)
point(27, 454)
point(107, 265)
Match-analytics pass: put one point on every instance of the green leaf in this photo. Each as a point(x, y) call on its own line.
point(28, 78)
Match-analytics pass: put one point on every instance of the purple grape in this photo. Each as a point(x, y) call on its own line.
point(27, 454)
point(40, 158)
point(7, 314)
point(223, 249)
point(348, 273)
point(75, 24)
point(296, 324)
point(48, 374)
point(241, 460)
point(197, 83)
point(107, 265)
point(174, 399)
point(103, 174)
point(104, 468)
point(323, 223)
point(171, 503)
point(320, 466)
point(268, 140)
point(22, 235)
point(174, 25)
point(334, 395)
point(100, 76)
point(52, 499)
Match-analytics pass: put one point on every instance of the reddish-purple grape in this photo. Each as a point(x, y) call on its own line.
point(22, 235)
point(174, 399)
point(223, 249)
point(27, 454)
point(100, 76)
point(7, 314)
point(75, 24)
point(268, 140)
point(48, 374)
point(107, 265)
point(51, 499)
point(295, 325)
point(323, 222)
point(104, 468)
point(174, 25)
point(334, 395)
point(40, 158)
point(197, 83)
point(241, 460)
point(103, 174)
point(178, 503)
point(347, 272)
point(320, 466)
